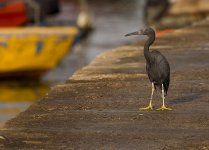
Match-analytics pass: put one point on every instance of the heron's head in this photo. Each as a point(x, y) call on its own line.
point(147, 31)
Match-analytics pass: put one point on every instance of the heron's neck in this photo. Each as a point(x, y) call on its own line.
point(149, 42)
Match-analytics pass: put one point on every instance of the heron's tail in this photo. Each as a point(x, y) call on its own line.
point(165, 88)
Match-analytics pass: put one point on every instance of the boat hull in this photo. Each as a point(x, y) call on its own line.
point(13, 14)
point(33, 49)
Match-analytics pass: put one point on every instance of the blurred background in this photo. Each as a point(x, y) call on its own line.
point(43, 42)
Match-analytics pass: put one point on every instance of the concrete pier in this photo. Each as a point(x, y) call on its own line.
point(97, 108)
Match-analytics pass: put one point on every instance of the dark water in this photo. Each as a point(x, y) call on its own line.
point(112, 21)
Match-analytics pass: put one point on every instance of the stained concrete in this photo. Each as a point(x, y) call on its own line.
point(97, 108)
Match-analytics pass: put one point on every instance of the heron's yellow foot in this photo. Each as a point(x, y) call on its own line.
point(164, 108)
point(146, 108)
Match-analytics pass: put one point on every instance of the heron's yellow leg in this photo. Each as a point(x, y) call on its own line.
point(164, 108)
point(150, 103)
point(163, 97)
point(146, 108)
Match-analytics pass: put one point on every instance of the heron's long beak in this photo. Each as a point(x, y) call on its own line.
point(134, 33)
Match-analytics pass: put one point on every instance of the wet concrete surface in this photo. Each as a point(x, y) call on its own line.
point(97, 108)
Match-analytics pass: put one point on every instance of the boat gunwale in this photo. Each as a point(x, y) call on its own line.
point(39, 30)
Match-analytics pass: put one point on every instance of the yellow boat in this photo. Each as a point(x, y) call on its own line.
point(31, 51)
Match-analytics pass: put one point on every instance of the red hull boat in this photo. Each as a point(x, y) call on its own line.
point(12, 14)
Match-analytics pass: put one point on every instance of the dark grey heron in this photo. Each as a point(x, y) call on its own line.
point(157, 67)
